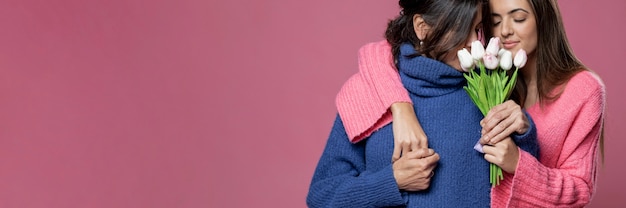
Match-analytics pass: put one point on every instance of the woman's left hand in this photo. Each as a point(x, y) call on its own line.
point(504, 154)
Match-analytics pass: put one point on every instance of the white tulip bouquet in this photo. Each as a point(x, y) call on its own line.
point(488, 88)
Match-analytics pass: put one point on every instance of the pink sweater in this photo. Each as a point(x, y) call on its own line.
point(568, 132)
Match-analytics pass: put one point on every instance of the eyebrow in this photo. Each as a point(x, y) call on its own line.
point(512, 11)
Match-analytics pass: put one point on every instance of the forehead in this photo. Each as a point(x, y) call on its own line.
point(506, 6)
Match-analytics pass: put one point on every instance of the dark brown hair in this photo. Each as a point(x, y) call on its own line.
point(556, 62)
point(450, 20)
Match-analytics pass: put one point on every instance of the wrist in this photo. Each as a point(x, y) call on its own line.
point(398, 108)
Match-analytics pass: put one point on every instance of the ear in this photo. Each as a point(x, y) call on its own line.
point(420, 27)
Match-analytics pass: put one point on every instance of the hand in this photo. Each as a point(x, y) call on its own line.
point(501, 121)
point(504, 154)
point(414, 169)
point(407, 133)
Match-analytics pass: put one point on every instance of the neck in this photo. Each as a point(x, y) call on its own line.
point(530, 78)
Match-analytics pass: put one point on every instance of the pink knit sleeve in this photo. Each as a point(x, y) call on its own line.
point(364, 100)
point(571, 182)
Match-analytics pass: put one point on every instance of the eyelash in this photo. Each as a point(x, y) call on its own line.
point(515, 20)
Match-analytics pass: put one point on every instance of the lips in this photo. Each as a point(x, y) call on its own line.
point(509, 44)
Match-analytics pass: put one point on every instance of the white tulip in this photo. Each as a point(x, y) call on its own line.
point(501, 51)
point(477, 50)
point(465, 59)
point(506, 60)
point(490, 61)
point(520, 58)
point(493, 46)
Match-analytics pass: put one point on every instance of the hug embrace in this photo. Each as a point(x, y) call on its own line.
point(406, 129)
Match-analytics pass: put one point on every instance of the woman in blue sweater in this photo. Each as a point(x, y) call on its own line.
point(424, 39)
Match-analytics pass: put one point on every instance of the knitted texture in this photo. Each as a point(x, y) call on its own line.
point(370, 86)
point(568, 133)
point(361, 175)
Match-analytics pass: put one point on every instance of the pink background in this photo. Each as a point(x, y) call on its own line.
point(195, 103)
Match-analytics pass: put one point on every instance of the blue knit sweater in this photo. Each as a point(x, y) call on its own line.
point(360, 175)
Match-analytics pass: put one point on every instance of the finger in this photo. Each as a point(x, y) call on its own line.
point(396, 153)
point(488, 149)
point(505, 144)
point(493, 120)
point(500, 131)
point(432, 159)
point(488, 126)
point(491, 115)
point(491, 159)
point(420, 153)
point(424, 152)
point(415, 146)
point(423, 142)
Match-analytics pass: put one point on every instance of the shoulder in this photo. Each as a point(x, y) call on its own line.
point(584, 84)
point(585, 88)
point(587, 78)
point(375, 47)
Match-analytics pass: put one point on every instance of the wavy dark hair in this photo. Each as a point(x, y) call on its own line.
point(450, 21)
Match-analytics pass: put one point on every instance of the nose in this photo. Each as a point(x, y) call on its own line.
point(505, 29)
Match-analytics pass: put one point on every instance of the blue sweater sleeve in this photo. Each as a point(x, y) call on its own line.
point(528, 141)
point(341, 180)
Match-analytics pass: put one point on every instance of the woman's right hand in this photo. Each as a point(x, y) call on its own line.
point(414, 169)
point(407, 133)
point(503, 120)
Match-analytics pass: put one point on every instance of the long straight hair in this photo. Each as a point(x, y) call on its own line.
point(556, 62)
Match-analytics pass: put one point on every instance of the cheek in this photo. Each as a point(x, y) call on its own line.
point(530, 38)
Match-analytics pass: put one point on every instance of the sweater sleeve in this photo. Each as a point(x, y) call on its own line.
point(528, 141)
point(364, 100)
point(340, 179)
point(572, 182)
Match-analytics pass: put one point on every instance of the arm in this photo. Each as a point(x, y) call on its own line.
point(408, 134)
point(528, 140)
point(340, 179)
point(367, 98)
point(570, 183)
point(364, 100)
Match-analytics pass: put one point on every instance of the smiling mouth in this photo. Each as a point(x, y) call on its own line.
point(509, 44)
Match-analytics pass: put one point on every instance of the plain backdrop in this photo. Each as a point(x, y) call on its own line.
point(195, 103)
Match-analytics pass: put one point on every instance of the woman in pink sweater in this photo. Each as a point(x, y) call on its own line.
point(565, 99)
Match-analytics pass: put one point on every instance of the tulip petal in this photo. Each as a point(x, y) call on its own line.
point(506, 61)
point(477, 50)
point(520, 58)
point(494, 46)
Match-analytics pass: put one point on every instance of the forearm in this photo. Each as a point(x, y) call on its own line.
point(535, 185)
point(342, 180)
point(364, 101)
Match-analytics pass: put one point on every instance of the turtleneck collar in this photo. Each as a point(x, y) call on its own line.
point(427, 77)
